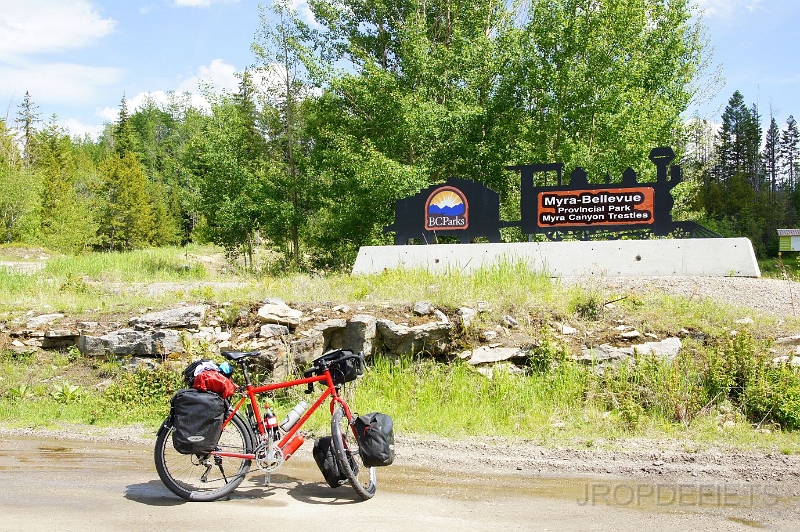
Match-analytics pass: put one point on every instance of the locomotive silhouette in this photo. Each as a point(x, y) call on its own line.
point(469, 210)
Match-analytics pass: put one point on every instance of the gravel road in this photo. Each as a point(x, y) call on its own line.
point(775, 297)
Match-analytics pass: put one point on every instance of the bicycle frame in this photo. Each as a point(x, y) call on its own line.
point(253, 391)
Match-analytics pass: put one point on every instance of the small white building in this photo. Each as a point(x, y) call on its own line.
point(788, 239)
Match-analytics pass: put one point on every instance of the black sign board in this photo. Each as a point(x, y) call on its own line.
point(469, 210)
point(461, 208)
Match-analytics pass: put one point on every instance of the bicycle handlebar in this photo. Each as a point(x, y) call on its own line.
point(323, 363)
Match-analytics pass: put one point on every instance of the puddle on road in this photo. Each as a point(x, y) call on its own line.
point(734, 500)
point(586, 491)
point(39, 454)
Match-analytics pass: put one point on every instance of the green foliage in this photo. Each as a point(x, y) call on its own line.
point(587, 303)
point(20, 188)
point(145, 386)
point(20, 391)
point(66, 392)
point(123, 206)
point(228, 180)
point(773, 395)
point(66, 221)
point(547, 355)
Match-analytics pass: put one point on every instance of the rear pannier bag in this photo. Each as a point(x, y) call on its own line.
point(325, 457)
point(197, 419)
point(375, 439)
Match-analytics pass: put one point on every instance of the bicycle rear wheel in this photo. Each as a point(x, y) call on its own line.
point(362, 479)
point(203, 477)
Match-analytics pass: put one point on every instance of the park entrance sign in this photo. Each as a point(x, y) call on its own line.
point(594, 216)
point(470, 211)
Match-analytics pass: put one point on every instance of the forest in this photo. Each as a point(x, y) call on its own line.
point(334, 122)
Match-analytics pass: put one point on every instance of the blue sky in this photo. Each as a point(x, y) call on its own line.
point(78, 57)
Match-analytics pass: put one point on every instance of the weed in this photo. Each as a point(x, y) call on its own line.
point(66, 392)
point(15, 355)
point(547, 355)
point(145, 386)
point(588, 304)
point(21, 391)
point(230, 314)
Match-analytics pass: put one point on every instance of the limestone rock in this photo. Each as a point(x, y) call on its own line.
point(272, 330)
point(179, 318)
point(565, 329)
point(44, 319)
point(132, 342)
point(666, 349)
point(466, 314)
point(486, 355)
point(401, 339)
point(304, 350)
point(280, 314)
point(333, 332)
point(422, 308)
point(359, 335)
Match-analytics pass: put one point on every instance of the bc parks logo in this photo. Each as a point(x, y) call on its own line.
point(446, 208)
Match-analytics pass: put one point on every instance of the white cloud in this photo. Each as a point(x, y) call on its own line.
point(219, 75)
point(304, 11)
point(77, 129)
point(35, 26)
point(727, 8)
point(57, 82)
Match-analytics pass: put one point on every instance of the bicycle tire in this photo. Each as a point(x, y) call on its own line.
point(183, 474)
point(362, 479)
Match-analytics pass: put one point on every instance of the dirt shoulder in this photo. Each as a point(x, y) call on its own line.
point(638, 460)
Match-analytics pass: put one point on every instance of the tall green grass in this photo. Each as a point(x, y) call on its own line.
point(718, 377)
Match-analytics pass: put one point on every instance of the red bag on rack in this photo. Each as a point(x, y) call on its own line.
point(214, 381)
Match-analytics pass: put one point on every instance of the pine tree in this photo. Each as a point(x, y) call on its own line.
point(124, 205)
point(790, 152)
point(739, 142)
point(65, 221)
point(27, 118)
point(123, 133)
point(125, 216)
point(772, 156)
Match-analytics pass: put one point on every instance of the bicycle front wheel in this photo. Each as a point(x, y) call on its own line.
point(363, 479)
point(203, 477)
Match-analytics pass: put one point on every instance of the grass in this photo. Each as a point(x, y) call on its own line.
point(550, 408)
point(712, 395)
point(785, 266)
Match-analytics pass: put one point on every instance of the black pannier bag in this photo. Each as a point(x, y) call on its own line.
point(197, 418)
point(375, 439)
point(325, 457)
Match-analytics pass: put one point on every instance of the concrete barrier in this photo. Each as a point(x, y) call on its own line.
point(713, 257)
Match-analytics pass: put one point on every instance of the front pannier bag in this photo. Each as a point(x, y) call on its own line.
point(375, 439)
point(326, 461)
point(197, 418)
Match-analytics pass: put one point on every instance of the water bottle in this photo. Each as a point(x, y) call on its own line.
point(293, 416)
point(292, 445)
point(271, 424)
